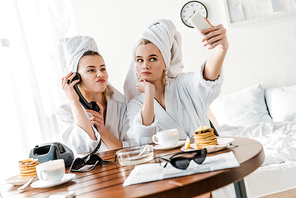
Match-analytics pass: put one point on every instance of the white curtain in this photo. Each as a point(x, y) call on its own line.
point(30, 75)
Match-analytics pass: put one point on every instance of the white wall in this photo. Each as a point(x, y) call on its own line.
point(258, 52)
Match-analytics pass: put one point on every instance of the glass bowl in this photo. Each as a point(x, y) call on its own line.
point(135, 155)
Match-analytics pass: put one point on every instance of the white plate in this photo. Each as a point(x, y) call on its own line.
point(223, 143)
point(210, 149)
point(159, 147)
point(226, 141)
point(214, 148)
point(16, 181)
point(40, 184)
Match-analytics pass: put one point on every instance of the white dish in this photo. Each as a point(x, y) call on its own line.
point(16, 181)
point(223, 143)
point(159, 147)
point(214, 148)
point(210, 149)
point(40, 184)
point(226, 141)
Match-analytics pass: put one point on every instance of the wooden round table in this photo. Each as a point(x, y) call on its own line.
point(106, 180)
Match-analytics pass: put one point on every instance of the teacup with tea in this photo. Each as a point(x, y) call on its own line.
point(166, 138)
point(51, 172)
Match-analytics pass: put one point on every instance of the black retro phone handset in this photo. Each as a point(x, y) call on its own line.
point(92, 105)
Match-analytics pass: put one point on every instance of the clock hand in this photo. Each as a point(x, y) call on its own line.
point(192, 14)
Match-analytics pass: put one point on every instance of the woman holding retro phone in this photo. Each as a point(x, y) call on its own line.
point(161, 96)
point(82, 128)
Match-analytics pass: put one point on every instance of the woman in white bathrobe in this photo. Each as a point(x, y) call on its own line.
point(76, 124)
point(161, 96)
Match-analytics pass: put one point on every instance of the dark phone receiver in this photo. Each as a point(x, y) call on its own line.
point(92, 105)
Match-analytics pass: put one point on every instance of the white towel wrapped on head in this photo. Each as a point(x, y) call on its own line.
point(164, 35)
point(72, 49)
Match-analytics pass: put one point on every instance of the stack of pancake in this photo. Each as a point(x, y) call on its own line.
point(204, 137)
point(28, 168)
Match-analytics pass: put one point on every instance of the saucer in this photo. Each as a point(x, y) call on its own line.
point(214, 148)
point(14, 180)
point(159, 147)
point(226, 141)
point(210, 148)
point(223, 143)
point(39, 184)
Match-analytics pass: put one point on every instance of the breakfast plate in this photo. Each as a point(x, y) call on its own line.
point(210, 148)
point(14, 180)
point(39, 184)
point(226, 141)
point(223, 143)
point(159, 147)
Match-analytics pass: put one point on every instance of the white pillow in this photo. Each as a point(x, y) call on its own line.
point(281, 103)
point(242, 108)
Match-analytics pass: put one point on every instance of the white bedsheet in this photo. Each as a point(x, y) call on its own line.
point(278, 171)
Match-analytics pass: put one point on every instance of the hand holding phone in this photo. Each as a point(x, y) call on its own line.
point(92, 105)
point(199, 22)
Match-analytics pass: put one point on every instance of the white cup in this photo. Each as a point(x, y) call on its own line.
point(166, 138)
point(51, 172)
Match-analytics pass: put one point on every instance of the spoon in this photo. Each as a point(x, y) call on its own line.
point(144, 149)
point(141, 153)
point(26, 184)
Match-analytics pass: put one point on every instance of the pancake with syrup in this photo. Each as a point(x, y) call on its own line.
point(204, 137)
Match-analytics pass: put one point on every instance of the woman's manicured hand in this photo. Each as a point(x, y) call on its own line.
point(68, 88)
point(215, 36)
point(97, 118)
point(143, 85)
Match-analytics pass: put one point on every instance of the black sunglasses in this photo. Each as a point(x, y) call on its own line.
point(183, 162)
point(91, 159)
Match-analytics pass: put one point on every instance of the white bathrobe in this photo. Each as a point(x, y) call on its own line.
point(116, 122)
point(187, 99)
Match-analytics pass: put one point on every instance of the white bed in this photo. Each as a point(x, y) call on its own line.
point(268, 116)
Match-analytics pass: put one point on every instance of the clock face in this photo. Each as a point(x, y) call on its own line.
point(191, 8)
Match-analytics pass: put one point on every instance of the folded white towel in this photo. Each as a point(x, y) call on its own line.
point(164, 35)
point(72, 49)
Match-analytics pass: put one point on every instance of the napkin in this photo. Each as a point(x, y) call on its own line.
point(153, 172)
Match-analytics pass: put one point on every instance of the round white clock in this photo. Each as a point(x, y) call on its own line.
point(191, 8)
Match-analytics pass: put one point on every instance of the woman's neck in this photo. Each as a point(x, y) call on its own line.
point(96, 96)
point(159, 93)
